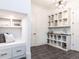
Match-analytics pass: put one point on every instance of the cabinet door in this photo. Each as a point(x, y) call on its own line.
point(15, 5)
point(5, 53)
point(18, 51)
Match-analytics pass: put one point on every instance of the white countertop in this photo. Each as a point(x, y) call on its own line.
point(12, 44)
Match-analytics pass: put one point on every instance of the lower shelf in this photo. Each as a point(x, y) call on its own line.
point(59, 45)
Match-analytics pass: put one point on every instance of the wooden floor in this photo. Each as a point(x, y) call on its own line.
point(49, 52)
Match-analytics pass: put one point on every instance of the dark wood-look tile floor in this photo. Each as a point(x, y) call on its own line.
point(49, 52)
point(23, 58)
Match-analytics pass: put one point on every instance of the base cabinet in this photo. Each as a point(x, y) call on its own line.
point(13, 52)
point(18, 51)
point(5, 53)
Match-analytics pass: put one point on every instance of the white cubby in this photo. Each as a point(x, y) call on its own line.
point(59, 43)
point(5, 22)
point(59, 40)
point(61, 30)
point(68, 23)
point(17, 22)
point(60, 19)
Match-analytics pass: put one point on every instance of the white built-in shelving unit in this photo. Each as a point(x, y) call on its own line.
point(60, 40)
point(59, 34)
point(14, 20)
point(7, 22)
point(60, 19)
point(13, 23)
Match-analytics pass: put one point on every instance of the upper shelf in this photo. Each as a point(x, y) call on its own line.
point(60, 20)
point(10, 26)
point(50, 27)
point(10, 23)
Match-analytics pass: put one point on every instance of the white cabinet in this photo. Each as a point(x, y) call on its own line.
point(60, 32)
point(18, 51)
point(68, 23)
point(5, 53)
point(15, 51)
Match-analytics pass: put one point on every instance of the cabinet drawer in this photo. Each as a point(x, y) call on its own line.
point(5, 53)
point(19, 50)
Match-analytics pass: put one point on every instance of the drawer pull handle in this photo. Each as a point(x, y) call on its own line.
point(4, 54)
point(18, 51)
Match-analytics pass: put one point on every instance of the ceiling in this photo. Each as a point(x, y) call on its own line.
point(46, 3)
point(49, 4)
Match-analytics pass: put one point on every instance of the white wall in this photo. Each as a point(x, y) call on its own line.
point(15, 5)
point(75, 30)
point(39, 25)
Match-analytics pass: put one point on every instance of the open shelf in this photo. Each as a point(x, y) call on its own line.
point(59, 43)
point(10, 26)
point(13, 23)
point(64, 45)
point(59, 20)
point(50, 27)
point(16, 22)
point(60, 25)
point(59, 40)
